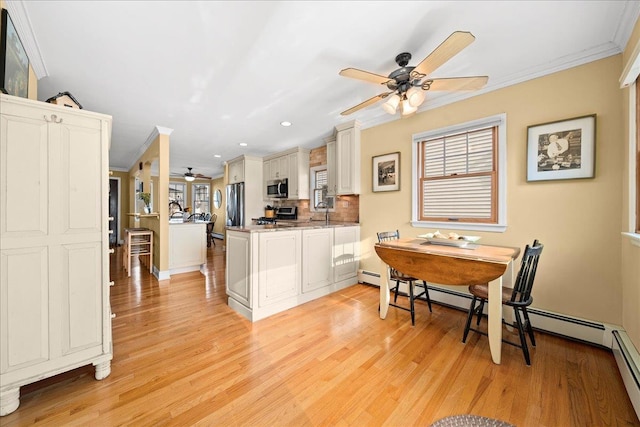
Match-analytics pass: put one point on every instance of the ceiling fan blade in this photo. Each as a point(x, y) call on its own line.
point(447, 50)
point(365, 103)
point(354, 73)
point(457, 83)
point(199, 175)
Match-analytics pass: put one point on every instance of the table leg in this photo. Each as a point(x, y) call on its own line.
point(384, 290)
point(495, 319)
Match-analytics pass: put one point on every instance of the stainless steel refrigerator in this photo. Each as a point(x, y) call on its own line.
point(235, 204)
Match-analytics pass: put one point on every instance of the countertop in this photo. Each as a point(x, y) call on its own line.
point(291, 225)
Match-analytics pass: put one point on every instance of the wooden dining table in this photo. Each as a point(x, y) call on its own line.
point(473, 264)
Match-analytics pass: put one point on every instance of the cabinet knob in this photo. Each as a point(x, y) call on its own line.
point(113, 315)
point(110, 231)
point(112, 251)
point(111, 283)
point(111, 218)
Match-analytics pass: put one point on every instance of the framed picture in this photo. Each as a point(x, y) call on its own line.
point(14, 63)
point(562, 150)
point(386, 172)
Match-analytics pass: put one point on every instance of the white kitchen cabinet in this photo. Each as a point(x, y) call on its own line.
point(317, 258)
point(291, 164)
point(279, 260)
point(236, 171)
point(279, 168)
point(331, 168)
point(347, 163)
point(238, 269)
point(272, 270)
point(346, 252)
point(299, 175)
point(55, 313)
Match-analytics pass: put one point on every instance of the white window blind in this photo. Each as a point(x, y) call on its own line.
point(320, 190)
point(458, 176)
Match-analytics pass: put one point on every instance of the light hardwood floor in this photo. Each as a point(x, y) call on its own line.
point(182, 357)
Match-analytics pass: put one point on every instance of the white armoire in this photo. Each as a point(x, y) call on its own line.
point(55, 313)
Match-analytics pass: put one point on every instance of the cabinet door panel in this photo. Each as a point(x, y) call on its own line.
point(81, 191)
point(279, 266)
point(23, 184)
point(238, 268)
point(81, 296)
point(346, 252)
point(24, 308)
point(317, 269)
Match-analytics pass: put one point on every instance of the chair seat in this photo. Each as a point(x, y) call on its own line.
point(482, 291)
point(396, 275)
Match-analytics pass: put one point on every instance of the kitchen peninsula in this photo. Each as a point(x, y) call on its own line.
point(187, 246)
point(271, 268)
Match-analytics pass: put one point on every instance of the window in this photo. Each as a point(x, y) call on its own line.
point(460, 174)
point(201, 198)
point(319, 184)
point(176, 197)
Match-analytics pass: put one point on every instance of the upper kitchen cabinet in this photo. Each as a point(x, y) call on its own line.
point(278, 168)
point(299, 174)
point(343, 160)
point(236, 170)
point(291, 164)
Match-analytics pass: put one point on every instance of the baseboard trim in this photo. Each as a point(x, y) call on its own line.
point(628, 360)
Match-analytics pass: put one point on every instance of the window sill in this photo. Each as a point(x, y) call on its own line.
point(467, 226)
point(633, 237)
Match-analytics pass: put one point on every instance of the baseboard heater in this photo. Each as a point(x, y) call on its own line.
point(600, 334)
point(628, 360)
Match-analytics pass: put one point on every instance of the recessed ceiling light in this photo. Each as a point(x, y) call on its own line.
point(217, 156)
point(243, 144)
point(285, 124)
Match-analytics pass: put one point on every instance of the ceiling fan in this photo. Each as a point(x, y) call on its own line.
point(190, 176)
point(407, 84)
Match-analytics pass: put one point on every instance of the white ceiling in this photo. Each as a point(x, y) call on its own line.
point(224, 73)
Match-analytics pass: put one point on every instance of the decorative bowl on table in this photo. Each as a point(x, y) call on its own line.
point(451, 239)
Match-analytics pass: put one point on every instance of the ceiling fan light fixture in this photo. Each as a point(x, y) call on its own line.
point(406, 108)
point(392, 104)
point(415, 96)
point(189, 178)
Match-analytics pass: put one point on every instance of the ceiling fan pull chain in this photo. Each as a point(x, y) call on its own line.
point(54, 119)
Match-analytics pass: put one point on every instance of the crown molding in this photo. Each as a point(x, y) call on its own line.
point(628, 20)
point(157, 131)
point(20, 18)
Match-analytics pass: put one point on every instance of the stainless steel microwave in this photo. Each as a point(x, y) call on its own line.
point(277, 189)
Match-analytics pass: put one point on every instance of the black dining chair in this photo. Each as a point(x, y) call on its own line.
point(209, 231)
point(519, 297)
point(399, 277)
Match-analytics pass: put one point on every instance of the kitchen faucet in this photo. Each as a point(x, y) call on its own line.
point(326, 212)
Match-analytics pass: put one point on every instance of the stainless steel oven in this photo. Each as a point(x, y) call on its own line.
point(277, 189)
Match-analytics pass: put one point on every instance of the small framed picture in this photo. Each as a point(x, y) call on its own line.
point(562, 150)
point(386, 172)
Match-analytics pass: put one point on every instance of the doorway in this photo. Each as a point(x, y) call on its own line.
point(114, 212)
